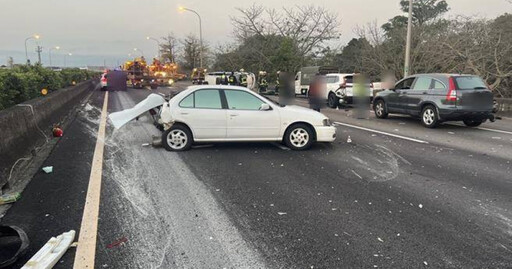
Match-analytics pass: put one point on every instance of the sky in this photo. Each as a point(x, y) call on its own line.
point(95, 31)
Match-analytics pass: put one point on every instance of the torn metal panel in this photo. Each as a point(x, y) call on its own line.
point(119, 119)
point(51, 252)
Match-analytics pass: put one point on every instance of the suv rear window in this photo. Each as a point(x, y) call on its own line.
point(470, 83)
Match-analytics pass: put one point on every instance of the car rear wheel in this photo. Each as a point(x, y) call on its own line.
point(177, 138)
point(380, 109)
point(473, 123)
point(429, 117)
point(299, 137)
point(333, 100)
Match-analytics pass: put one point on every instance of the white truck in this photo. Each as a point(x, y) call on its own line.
point(306, 74)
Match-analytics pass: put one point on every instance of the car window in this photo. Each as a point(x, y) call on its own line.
point(207, 99)
point(422, 83)
point(404, 84)
point(438, 85)
point(332, 79)
point(349, 79)
point(242, 100)
point(187, 102)
point(470, 83)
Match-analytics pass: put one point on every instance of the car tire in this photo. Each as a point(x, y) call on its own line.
point(332, 100)
point(429, 117)
point(299, 137)
point(472, 123)
point(380, 109)
point(177, 138)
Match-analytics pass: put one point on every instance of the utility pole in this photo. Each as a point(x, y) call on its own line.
point(408, 44)
point(39, 49)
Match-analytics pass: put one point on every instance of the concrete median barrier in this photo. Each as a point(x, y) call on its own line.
point(27, 126)
point(504, 107)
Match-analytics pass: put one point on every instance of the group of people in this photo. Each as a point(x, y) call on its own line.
point(232, 79)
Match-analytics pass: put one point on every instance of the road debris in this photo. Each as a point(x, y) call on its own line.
point(349, 140)
point(118, 242)
point(48, 169)
point(146, 144)
point(13, 243)
point(51, 252)
point(380, 239)
point(281, 213)
point(10, 198)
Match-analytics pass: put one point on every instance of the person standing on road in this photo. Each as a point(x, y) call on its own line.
point(223, 79)
point(316, 88)
point(243, 80)
point(361, 100)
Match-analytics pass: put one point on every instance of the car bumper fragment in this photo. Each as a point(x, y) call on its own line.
point(325, 133)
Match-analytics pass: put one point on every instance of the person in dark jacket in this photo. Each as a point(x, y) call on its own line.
point(316, 91)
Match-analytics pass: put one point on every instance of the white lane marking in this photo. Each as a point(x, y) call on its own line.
point(483, 128)
point(86, 250)
point(383, 133)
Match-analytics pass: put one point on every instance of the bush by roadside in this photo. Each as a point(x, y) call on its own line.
point(22, 83)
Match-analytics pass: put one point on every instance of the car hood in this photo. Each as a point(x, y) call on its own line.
point(298, 113)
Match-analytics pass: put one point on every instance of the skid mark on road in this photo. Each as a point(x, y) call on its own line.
point(170, 216)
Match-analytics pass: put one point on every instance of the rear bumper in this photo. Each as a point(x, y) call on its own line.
point(456, 115)
point(325, 133)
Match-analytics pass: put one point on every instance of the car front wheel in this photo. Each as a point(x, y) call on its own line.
point(333, 100)
point(380, 109)
point(177, 138)
point(299, 137)
point(429, 116)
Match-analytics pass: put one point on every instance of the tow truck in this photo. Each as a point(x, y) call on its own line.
point(138, 74)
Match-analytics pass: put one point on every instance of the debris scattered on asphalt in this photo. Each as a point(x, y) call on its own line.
point(146, 144)
point(51, 252)
point(452, 133)
point(424, 262)
point(380, 239)
point(420, 206)
point(47, 215)
point(281, 213)
point(57, 131)
point(118, 242)
point(48, 169)
point(10, 198)
point(349, 140)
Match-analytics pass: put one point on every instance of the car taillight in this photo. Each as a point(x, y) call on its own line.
point(452, 92)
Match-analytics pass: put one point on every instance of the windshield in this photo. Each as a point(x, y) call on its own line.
point(470, 83)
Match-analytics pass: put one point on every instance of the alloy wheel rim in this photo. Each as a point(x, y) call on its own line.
point(299, 137)
point(380, 109)
point(428, 116)
point(177, 139)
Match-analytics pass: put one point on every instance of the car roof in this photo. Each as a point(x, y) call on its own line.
point(215, 87)
point(440, 75)
point(341, 74)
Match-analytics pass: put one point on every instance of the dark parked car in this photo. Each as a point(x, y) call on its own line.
point(436, 98)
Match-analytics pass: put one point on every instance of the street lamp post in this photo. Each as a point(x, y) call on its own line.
point(27, 39)
point(65, 55)
point(200, 33)
point(408, 43)
point(139, 50)
point(158, 44)
point(50, 53)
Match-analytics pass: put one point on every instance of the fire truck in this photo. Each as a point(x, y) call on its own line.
point(141, 75)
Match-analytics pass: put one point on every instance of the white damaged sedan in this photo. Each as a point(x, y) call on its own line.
point(215, 113)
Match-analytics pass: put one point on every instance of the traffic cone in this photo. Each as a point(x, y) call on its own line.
point(349, 140)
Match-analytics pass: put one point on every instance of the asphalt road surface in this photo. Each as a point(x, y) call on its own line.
point(397, 196)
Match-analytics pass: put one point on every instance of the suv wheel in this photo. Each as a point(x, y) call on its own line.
point(380, 109)
point(333, 100)
point(299, 137)
point(429, 116)
point(177, 138)
point(473, 123)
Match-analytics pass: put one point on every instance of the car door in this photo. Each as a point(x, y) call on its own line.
point(245, 120)
point(203, 112)
point(398, 97)
point(333, 84)
point(417, 94)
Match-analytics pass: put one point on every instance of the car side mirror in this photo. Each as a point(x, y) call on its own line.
point(265, 107)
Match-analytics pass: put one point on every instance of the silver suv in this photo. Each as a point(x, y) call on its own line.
point(436, 98)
